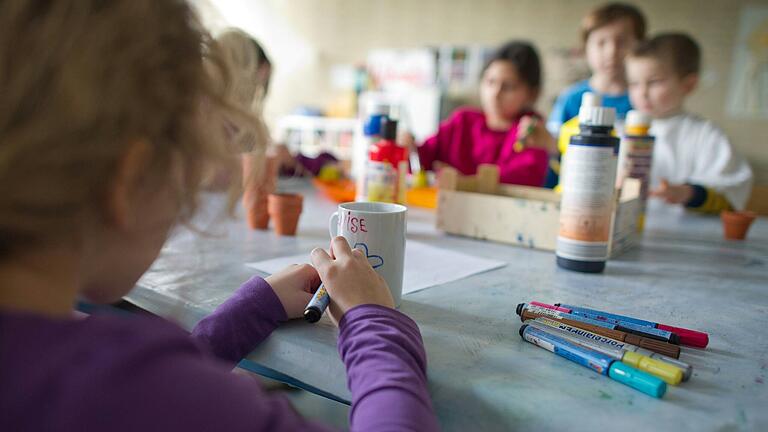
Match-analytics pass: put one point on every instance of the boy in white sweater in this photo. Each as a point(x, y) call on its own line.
point(694, 164)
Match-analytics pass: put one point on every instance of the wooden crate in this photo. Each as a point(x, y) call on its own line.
point(480, 207)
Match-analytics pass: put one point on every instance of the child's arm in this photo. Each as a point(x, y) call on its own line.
point(386, 369)
point(694, 197)
point(528, 166)
point(381, 348)
point(718, 178)
point(168, 383)
point(429, 151)
point(242, 322)
point(532, 133)
point(722, 174)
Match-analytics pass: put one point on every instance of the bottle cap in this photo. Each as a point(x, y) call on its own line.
point(636, 379)
point(592, 114)
point(637, 118)
point(388, 129)
point(591, 99)
point(597, 116)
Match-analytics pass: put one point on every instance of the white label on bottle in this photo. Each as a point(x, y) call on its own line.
point(587, 202)
point(381, 182)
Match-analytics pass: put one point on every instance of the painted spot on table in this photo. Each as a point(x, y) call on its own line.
point(604, 395)
point(759, 380)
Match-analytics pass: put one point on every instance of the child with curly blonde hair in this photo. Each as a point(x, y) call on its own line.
point(108, 122)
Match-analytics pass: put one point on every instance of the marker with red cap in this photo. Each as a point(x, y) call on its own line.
point(687, 337)
point(625, 326)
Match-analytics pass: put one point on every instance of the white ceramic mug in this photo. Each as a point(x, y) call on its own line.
point(378, 229)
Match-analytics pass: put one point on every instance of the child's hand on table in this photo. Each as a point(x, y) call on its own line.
point(532, 133)
point(673, 194)
point(349, 279)
point(294, 287)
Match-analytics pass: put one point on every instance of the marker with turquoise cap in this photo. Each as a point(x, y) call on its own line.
point(599, 362)
point(617, 345)
point(668, 373)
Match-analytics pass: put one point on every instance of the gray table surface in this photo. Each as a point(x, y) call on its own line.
point(482, 376)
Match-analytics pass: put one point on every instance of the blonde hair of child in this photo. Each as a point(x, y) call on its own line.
point(246, 88)
point(82, 79)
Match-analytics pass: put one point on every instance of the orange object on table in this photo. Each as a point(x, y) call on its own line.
point(336, 190)
point(422, 197)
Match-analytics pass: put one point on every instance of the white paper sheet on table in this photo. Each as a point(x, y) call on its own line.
point(425, 265)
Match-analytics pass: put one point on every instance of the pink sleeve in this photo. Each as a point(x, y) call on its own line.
point(529, 168)
point(429, 152)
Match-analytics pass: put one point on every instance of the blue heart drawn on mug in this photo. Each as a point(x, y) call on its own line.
point(376, 261)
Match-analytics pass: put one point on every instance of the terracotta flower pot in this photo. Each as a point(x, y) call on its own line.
point(736, 223)
point(258, 182)
point(284, 210)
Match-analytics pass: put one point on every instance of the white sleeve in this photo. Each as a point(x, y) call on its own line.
point(717, 166)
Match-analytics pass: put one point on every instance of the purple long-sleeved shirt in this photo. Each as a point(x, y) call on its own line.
point(464, 141)
point(120, 373)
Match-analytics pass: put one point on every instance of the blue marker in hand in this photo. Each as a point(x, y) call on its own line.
point(317, 305)
point(319, 302)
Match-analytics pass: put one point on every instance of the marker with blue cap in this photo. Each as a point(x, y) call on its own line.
point(686, 336)
point(626, 327)
point(317, 305)
point(629, 325)
point(599, 362)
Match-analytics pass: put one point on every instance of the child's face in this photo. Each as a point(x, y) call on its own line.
point(503, 94)
point(655, 89)
point(138, 218)
point(607, 46)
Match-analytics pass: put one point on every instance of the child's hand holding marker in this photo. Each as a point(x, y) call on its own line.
point(532, 133)
point(349, 279)
point(294, 287)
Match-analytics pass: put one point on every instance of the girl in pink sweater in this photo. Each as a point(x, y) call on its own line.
point(509, 87)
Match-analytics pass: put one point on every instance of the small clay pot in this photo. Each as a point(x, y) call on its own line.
point(284, 210)
point(736, 223)
point(257, 214)
point(256, 187)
